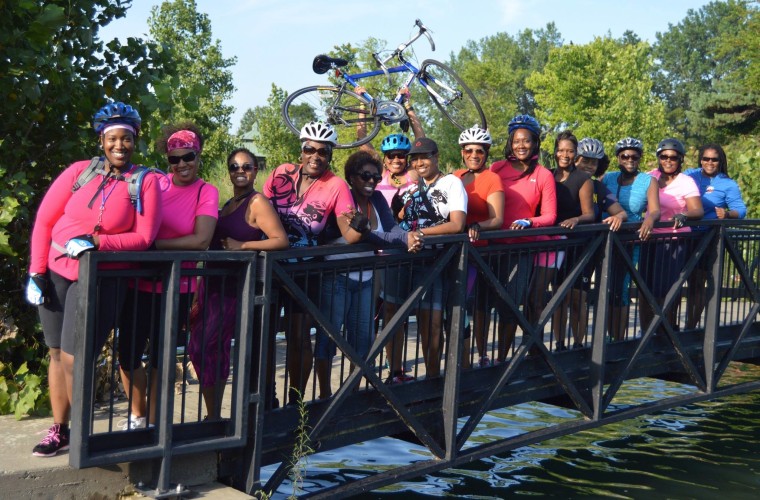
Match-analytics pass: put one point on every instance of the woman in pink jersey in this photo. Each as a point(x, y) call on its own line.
point(305, 196)
point(663, 258)
point(99, 215)
point(530, 201)
point(191, 209)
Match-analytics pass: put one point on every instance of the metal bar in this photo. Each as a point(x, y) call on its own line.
point(601, 314)
point(450, 400)
point(168, 350)
point(712, 309)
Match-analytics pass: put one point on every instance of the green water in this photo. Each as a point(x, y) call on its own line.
point(707, 450)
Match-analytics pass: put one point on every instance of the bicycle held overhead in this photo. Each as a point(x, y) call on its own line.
point(344, 109)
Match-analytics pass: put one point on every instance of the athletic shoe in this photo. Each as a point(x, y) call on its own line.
point(484, 362)
point(57, 439)
point(399, 379)
point(131, 423)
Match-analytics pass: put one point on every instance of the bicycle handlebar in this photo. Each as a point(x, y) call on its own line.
point(422, 30)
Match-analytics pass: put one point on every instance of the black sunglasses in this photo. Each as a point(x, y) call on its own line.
point(369, 176)
point(395, 156)
point(247, 167)
point(187, 157)
point(309, 150)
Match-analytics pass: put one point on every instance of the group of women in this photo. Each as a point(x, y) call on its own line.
point(382, 200)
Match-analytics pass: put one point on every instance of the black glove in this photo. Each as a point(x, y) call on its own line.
point(36, 289)
point(359, 223)
point(397, 204)
point(679, 220)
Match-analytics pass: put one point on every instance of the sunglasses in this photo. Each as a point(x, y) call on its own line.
point(247, 167)
point(395, 156)
point(630, 157)
point(369, 176)
point(187, 157)
point(309, 150)
point(474, 151)
point(669, 157)
point(710, 159)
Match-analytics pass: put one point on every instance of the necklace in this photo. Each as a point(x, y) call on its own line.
point(242, 196)
point(395, 180)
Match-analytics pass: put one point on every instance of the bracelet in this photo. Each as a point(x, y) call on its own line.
point(409, 108)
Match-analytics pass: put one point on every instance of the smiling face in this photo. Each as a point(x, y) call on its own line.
point(395, 161)
point(186, 169)
point(118, 146)
point(315, 157)
point(522, 144)
point(565, 153)
point(710, 162)
point(629, 159)
point(669, 161)
point(588, 165)
point(365, 180)
point(474, 156)
point(425, 164)
point(242, 170)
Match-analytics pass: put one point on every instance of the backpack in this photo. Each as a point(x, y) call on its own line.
point(134, 183)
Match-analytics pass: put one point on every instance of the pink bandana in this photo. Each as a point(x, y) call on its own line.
point(184, 139)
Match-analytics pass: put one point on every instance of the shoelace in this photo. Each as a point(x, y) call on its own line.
point(53, 436)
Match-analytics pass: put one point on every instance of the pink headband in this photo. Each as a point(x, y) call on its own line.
point(108, 128)
point(184, 139)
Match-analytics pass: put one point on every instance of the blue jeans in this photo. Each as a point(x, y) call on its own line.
point(348, 303)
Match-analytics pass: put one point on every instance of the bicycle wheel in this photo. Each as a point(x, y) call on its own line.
point(450, 94)
point(342, 109)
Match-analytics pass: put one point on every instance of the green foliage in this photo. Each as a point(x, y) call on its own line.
point(697, 53)
point(56, 74)
point(198, 91)
point(743, 158)
point(302, 446)
point(274, 139)
point(496, 69)
point(601, 89)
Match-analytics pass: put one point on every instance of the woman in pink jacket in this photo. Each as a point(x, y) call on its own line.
point(77, 216)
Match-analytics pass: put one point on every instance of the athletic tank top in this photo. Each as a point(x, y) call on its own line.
point(235, 226)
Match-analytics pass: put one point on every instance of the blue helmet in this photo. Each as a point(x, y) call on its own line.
point(525, 121)
point(395, 142)
point(116, 112)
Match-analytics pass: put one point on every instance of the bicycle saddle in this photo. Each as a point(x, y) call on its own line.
point(322, 63)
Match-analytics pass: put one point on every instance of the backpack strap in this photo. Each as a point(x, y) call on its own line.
point(96, 166)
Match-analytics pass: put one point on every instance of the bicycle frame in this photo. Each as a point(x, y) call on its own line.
point(405, 66)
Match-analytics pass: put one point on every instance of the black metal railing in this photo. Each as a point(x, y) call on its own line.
point(438, 339)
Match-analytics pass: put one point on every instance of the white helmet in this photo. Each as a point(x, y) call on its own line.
point(475, 135)
point(320, 132)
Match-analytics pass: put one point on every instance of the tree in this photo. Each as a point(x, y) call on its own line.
point(602, 89)
point(275, 139)
point(246, 122)
point(496, 68)
point(693, 56)
point(56, 74)
point(203, 84)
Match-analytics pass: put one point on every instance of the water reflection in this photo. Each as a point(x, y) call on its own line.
point(703, 450)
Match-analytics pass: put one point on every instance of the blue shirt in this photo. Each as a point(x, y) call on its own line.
point(633, 198)
point(718, 192)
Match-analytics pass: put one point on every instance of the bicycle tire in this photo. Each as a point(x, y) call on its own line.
point(340, 108)
point(457, 102)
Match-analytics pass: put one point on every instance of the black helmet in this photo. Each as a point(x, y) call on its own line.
point(673, 144)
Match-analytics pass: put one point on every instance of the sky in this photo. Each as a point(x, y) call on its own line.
point(275, 41)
